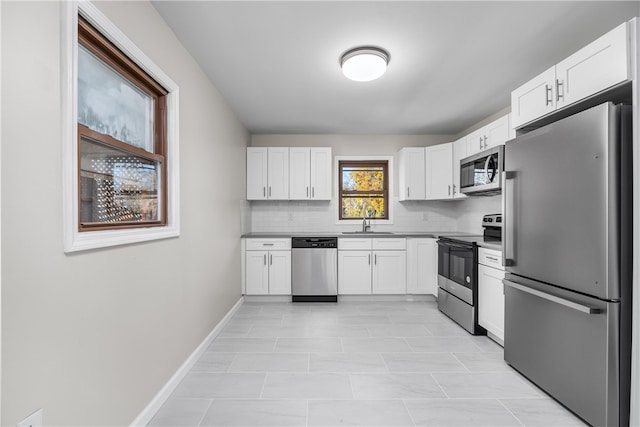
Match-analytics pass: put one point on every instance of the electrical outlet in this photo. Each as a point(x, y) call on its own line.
point(33, 420)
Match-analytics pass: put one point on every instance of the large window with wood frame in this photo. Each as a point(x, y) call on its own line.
point(122, 143)
point(363, 189)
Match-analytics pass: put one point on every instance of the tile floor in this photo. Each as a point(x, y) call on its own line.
point(354, 364)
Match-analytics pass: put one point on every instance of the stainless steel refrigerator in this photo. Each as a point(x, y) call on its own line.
point(567, 247)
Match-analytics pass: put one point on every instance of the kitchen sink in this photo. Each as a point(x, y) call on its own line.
point(367, 232)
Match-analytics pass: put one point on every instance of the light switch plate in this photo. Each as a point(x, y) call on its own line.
point(33, 420)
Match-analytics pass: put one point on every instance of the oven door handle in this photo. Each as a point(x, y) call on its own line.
point(455, 245)
point(552, 298)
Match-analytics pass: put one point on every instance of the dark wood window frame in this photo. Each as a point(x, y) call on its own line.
point(91, 39)
point(347, 193)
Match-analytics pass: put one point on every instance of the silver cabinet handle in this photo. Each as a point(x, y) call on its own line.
point(454, 189)
point(448, 190)
point(547, 94)
point(559, 95)
point(269, 191)
point(369, 259)
point(313, 192)
point(307, 191)
point(485, 141)
point(480, 142)
point(375, 259)
point(564, 302)
point(265, 259)
point(267, 244)
point(492, 258)
point(270, 259)
point(264, 191)
point(408, 192)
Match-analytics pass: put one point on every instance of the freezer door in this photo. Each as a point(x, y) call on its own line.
point(562, 203)
point(568, 345)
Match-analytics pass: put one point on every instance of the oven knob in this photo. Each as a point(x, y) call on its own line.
point(468, 279)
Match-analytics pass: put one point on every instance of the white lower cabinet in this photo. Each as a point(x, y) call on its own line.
point(422, 266)
point(491, 292)
point(372, 266)
point(268, 272)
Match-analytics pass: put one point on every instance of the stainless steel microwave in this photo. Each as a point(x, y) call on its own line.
point(481, 174)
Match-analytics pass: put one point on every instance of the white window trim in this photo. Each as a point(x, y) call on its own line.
point(336, 168)
point(75, 240)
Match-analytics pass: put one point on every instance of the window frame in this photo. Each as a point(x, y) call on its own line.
point(103, 236)
point(346, 193)
point(390, 187)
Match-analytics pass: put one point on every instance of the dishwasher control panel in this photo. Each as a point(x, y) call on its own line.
point(314, 242)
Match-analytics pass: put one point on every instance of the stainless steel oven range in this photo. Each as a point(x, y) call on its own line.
point(457, 281)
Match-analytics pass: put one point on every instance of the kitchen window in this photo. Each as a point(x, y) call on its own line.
point(120, 137)
point(363, 189)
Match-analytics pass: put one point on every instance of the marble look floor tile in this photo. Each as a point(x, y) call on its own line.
point(399, 330)
point(447, 330)
point(363, 319)
point(180, 412)
point(276, 413)
point(483, 362)
point(443, 344)
point(270, 362)
point(308, 345)
point(395, 386)
point(270, 331)
point(236, 329)
point(220, 385)
point(230, 345)
point(337, 331)
point(542, 413)
point(487, 344)
point(347, 362)
point(377, 344)
point(213, 362)
point(422, 362)
point(358, 413)
point(307, 386)
point(259, 317)
point(460, 413)
point(494, 385)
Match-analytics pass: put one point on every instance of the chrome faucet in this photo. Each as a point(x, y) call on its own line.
point(365, 227)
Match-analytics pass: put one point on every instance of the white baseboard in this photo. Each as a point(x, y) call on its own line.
point(159, 399)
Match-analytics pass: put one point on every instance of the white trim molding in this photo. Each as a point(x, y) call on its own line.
point(74, 240)
point(159, 399)
point(336, 168)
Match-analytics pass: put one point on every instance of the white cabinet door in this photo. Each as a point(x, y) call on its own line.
point(497, 132)
point(422, 257)
point(389, 272)
point(354, 272)
point(257, 272)
point(321, 175)
point(459, 153)
point(596, 67)
point(257, 173)
point(491, 300)
point(278, 173)
point(280, 273)
point(439, 171)
point(299, 173)
point(534, 99)
point(475, 142)
point(411, 173)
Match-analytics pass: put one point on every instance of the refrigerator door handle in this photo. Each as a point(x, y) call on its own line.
point(507, 229)
point(565, 302)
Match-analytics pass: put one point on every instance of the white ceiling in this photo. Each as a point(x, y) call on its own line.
point(453, 63)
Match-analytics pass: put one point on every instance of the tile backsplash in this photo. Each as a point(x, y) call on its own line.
point(318, 216)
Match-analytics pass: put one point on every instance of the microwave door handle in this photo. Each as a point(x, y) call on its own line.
point(508, 220)
point(486, 169)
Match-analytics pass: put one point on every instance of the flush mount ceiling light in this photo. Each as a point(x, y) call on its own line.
point(364, 64)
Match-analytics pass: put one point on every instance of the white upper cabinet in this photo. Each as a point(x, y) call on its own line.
point(459, 153)
point(321, 175)
point(411, 173)
point(278, 173)
point(491, 135)
point(299, 173)
point(267, 173)
point(598, 66)
point(309, 173)
point(439, 171)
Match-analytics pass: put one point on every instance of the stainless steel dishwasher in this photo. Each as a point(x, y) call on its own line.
point(314, 269)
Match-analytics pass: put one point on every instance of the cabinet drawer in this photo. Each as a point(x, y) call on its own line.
point(490, 257)
point(268, 244)
point(390, 244)
point(356, 244)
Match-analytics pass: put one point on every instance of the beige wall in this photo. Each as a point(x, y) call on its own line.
point(92, 337)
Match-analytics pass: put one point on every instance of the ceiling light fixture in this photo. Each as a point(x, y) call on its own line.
point(364, 64)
